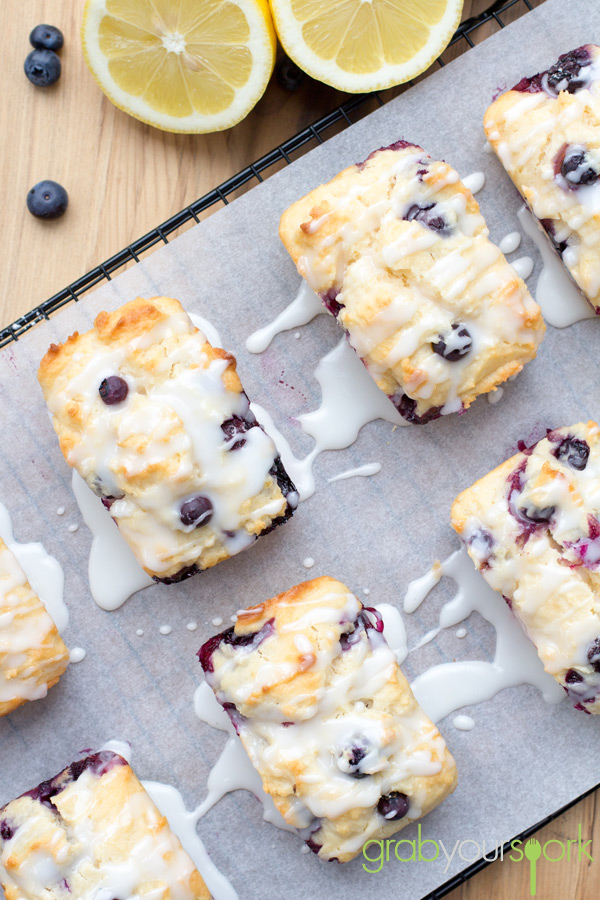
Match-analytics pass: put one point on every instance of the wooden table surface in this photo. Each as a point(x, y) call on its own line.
point(123, 179)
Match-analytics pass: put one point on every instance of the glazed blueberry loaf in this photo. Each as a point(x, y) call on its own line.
point(92, 832)
point(546, 132)
point(532, 528)
point(155, 420)
point(399, 253)
point(327, 717)
point(32, 653)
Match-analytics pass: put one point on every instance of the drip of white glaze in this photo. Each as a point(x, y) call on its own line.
point(394, 630)
point(60, 511)
point(77, 654)
point(165, 629)
point(140, 632)
point(523, 266)
point(308, 563)
point(461, 632)
point(191, 626)
point(366, 591)
point(362, 471)
point(72, 528)
point(512, 241)
point(474, 182)
point(463, 723)
point(182, 823)
point(560, 300)
point(495, 396)
point(44, 573)
point(216, 621)
point(349, 399)
point(301, 310)
point(207, 328)
point(233, 770)
point(451, 686)
point(113, 570)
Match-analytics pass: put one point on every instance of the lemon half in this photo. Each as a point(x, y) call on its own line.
point(365, 45)
point(181, 65)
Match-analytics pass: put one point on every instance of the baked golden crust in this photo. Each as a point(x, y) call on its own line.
point(32, 653)
point(327, 717)
point(546, 133)
point(532, 527)
point(399, 252)
point(93, 829)
point(182, 433)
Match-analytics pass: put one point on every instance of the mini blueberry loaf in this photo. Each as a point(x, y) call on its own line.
point(327, 717)
point(399, 253)
point(155, 420)
point(32, 653)
point(92, 832)
point(532, 528)
point(546, 132)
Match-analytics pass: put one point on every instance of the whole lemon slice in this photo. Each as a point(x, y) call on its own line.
point(365, 45)
point(181, 65)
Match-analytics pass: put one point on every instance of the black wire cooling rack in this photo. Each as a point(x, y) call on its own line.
point(469, 33)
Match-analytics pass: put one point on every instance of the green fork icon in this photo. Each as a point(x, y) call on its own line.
point(533, 851)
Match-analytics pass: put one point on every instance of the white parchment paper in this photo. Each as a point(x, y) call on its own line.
point(524, 759)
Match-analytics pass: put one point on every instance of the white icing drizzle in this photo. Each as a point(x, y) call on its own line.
point(523, 267)
point(463, 723)
point(140, 632)
point(301, 310)
point(165, 629)
point(192, 626)
point(60, 511)
point(216, 621)
point(394, 629)
point(308, 563)
point(461, 632)
point(450, 686)
point(495, 396)
point(561, 301)
point(512, 241)
point(349, 400)
point(475, 182)
point(207, 328)
point(77, 654)
point(360, 471)
point(114, 572)
point(44, 572)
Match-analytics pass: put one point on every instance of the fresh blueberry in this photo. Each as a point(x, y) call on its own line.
point(331, 304)
point(577, 169)
point(182, 575)
point(563, 75)
point(113, 390)
point(289, 75)
point(429, 216)
point(537, 516)
point(393, 806)
point(238, 425)
point(573, 677)
point(47, 200)
point(196, 511)
point(350, 758)
point(251, 641)
point(6, 832)
point(42, 67)
point(455, 345)
point(593, 654)
point(397, 145)
point(407, 407)
point(46, 37)
point(574, 452)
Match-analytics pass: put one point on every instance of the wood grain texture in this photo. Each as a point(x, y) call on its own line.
point(123, 179)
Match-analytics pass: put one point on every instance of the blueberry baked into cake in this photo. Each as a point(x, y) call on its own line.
point(156, 421)
point(546, 132)
point(399, 253)
point(532, 528)
point(327, 717)
point(32, 653)
point(92, 832)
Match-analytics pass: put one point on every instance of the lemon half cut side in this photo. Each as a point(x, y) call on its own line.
point(181, 65)
point(365, 45)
